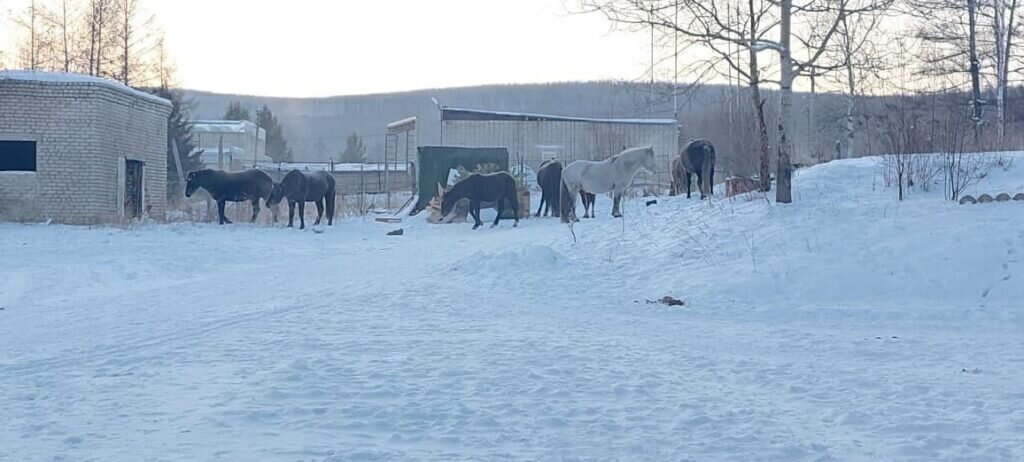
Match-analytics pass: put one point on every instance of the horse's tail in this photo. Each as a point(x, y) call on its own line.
point(566, 201)
point(513, 198)
point(329, 198)
point(708, 168)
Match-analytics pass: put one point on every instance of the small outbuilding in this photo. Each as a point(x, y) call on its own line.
point(78, 149)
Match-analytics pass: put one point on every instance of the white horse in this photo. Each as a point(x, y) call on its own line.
point(613, 174)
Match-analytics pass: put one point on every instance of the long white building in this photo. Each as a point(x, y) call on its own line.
point(534, 138)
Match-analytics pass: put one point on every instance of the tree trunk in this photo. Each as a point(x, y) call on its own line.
point(784, 175)
point(65, 35)
point(972, 6)
point(1004, 30)
point(764, 163)
point(851, 97)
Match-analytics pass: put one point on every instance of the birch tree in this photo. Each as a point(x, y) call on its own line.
point(754, 30)
point(861, 59)
point(1005, 28)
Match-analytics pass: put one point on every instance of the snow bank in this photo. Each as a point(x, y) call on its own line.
point(844, 326)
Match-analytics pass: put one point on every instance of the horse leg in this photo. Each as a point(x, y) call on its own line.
point(475, 213)
point(686, 179)
point(291, 214)
point(255, 210)
point(543, 197)
point(514, 202)
point(319, 211)
point(501, 210)
point(617, 199)
point(302, 214)
point(474, 209)
point(700, 184)
point(221, 219)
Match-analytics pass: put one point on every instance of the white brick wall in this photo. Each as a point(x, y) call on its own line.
point(81, 130)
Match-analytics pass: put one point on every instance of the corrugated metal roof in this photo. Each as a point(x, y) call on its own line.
point(457, 113)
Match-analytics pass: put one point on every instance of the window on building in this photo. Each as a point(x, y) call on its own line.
point(17, 156)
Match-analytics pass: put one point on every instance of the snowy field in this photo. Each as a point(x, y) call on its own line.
point(846, 326)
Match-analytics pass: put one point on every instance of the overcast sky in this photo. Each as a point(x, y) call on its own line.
point(332, 47)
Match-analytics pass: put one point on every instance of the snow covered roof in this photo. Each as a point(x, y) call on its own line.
point(339, 167)
point(225, 126)
point(402, 123)
point(71, 78)
point(457, 113)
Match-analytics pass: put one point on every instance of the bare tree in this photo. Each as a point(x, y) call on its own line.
point(99, 20)
point(861, 60)
point(34, 45)
point(133, 32)
point(62, 18)
point(733, 31)
point(1004, 26)
point(163, 67)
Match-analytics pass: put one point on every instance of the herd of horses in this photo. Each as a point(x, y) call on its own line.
point(251, 185)
point(559, 186)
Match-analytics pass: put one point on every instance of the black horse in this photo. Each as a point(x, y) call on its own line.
point(301, 187)
point(589, 199)
point(698, 157)
point(492, 187)
point(549, 178)
point(248, 185)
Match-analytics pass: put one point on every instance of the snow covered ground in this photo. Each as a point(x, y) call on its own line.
point(845, 326)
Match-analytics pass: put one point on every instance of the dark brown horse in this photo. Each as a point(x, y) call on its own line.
point(698, 157)
point(248, 185)
point(301, 187)
point(549, 178)
point(492, 187)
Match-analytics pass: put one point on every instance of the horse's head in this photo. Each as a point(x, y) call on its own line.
point(192, 184)
point(447, 203)
point(276, 194)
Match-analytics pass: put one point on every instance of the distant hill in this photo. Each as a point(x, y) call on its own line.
point(316, 128)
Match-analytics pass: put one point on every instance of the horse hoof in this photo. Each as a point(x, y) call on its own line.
point(515, 225)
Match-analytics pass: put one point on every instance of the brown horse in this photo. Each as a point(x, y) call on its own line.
point(301, 187)
point(497, 187)
point(549, 177)
point(249, 185)
point(698, 157)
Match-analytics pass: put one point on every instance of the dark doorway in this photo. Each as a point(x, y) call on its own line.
point(133, 189)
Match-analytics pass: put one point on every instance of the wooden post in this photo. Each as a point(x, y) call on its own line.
point(177, 167)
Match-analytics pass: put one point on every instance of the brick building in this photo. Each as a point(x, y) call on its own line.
point(79, 149)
